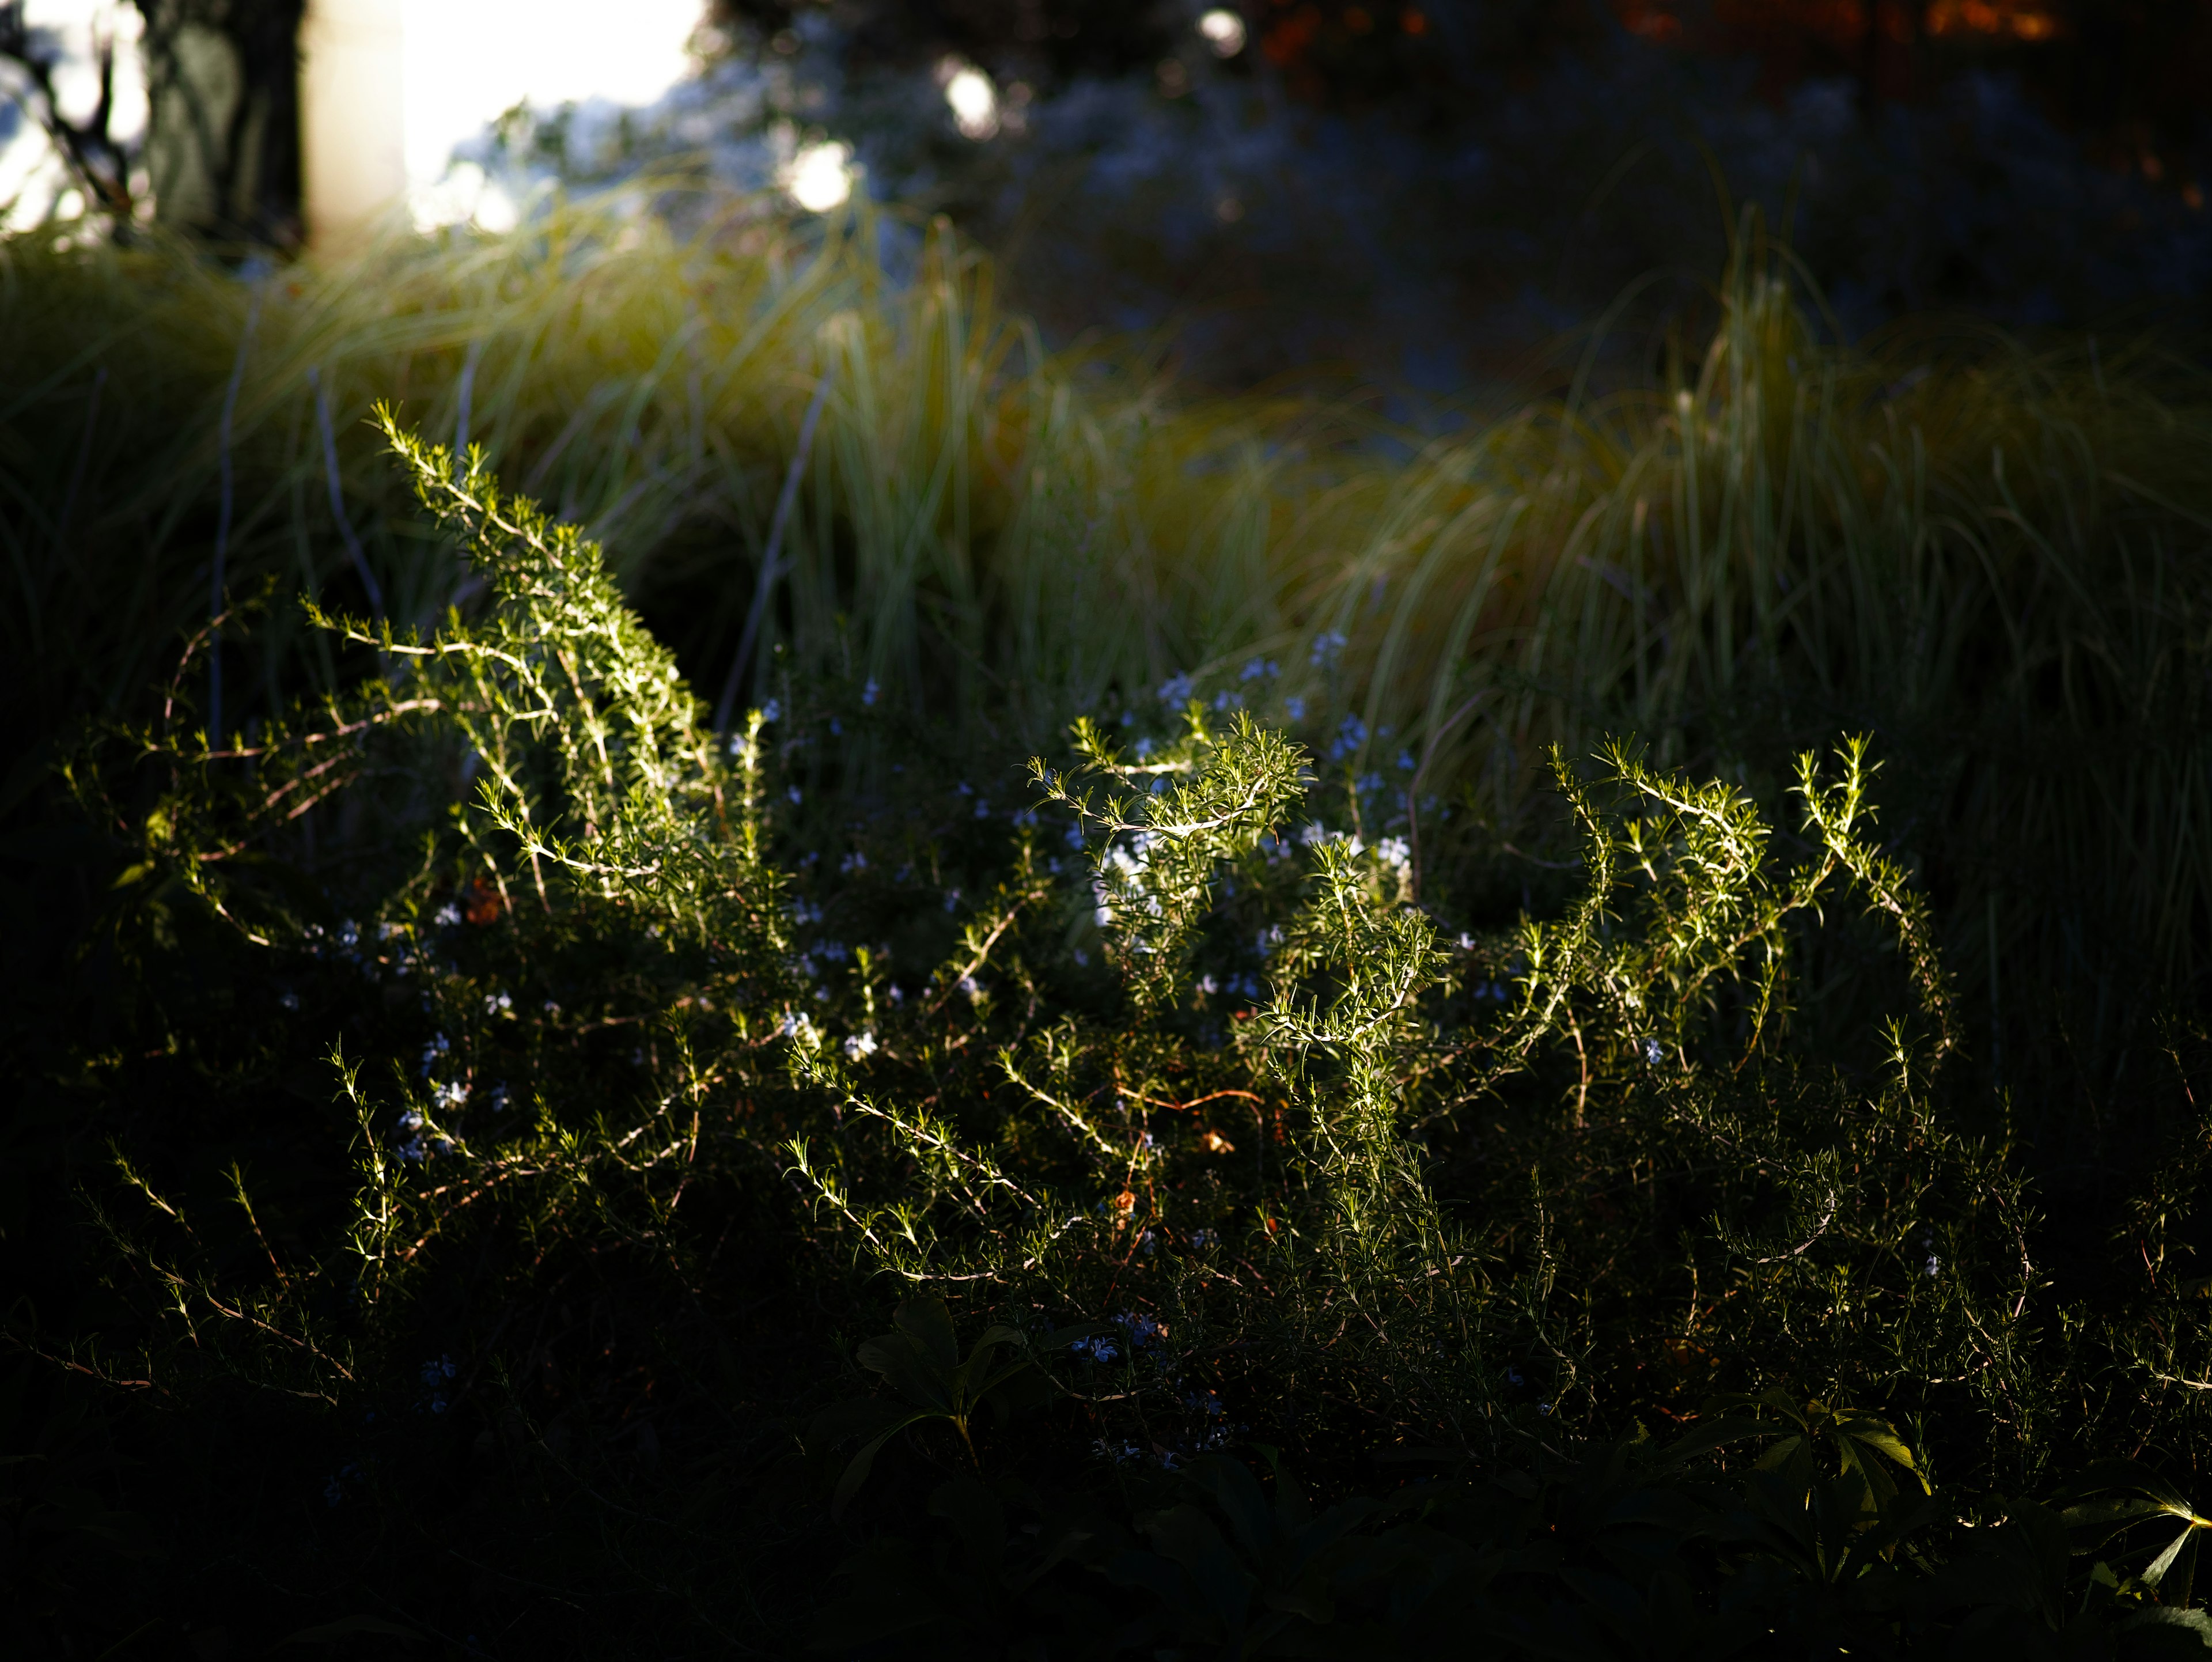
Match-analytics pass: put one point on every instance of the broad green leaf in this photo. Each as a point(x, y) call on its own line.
point(856, 1473)
point(927, 1322)
point(349, 1626)
point(910, 1372)
point(2159, 1566)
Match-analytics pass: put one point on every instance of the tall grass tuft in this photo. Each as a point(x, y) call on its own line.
point(1995, 558)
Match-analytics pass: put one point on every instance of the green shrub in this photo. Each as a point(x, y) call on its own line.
point(505, 1096)
point(1494, 1195)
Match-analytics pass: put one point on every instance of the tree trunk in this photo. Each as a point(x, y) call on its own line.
point(222, 144)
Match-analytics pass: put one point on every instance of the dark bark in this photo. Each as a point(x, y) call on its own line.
point(246, 147)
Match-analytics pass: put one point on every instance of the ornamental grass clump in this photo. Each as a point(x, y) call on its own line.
point(827, 438)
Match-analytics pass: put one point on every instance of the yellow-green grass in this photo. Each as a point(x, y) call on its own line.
point(1993, 556)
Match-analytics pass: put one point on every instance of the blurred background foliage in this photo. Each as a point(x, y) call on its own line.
point(1415, 197)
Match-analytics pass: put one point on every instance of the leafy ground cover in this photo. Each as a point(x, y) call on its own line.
point(856, 986)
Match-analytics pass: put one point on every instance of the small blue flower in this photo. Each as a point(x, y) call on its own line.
point(434, 1375)
point(1144, 1332)
point(1295, 707)
point(334, 1490)
point(1327, 648)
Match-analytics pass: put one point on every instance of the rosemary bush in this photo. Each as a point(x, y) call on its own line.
point(1178, 1096)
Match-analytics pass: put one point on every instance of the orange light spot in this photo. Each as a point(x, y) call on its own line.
point(1357, 20)
point(2193, 194)
point(1653, 22)
point(1217, 1144)
point(1286, 42)
point(1413, 23)
point(2020, 22)
point(480, 902)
